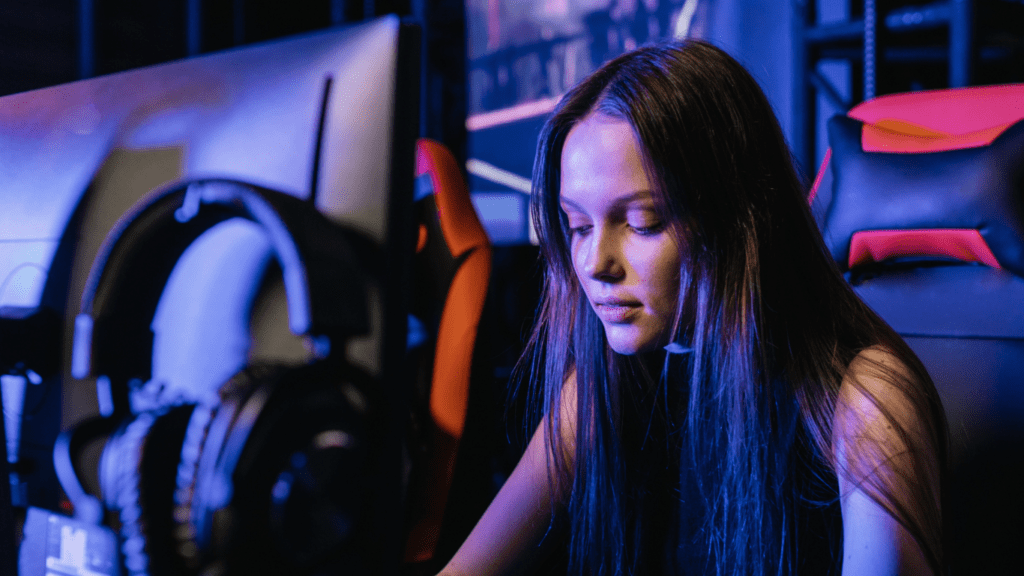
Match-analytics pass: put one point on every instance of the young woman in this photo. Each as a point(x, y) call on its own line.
point(711, 396)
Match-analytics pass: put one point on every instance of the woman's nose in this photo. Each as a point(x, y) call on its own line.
point(603, 259)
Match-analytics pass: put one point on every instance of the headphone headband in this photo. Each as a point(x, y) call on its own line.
point(325, 285)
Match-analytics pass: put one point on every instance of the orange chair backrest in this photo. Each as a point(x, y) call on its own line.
point(468, 244)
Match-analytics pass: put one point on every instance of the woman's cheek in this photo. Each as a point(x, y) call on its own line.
point(669, 275)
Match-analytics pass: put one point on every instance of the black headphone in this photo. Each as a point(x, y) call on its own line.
point(276, 476)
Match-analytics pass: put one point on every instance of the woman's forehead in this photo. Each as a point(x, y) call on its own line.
point(601, 134)
point(601, 162)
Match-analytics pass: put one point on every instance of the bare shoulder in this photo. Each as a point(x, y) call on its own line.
point(874, 365)
point(878, 388)
point(882, 421)
point(886, 465)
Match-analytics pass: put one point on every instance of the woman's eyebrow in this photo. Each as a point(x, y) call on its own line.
point(621, 201)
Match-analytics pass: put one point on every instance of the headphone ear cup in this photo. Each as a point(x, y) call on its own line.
point(111, 467)
point(298, 460)
point(158, 467)
point(185, 486)
point(322, 479)
point(199, 491)
point(137, 479)
point(119, 484)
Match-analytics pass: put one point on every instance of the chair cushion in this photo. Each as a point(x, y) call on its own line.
point(945, 301)
point(973, 188)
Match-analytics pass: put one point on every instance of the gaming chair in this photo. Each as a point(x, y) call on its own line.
point(451, 272)
point(922, 205)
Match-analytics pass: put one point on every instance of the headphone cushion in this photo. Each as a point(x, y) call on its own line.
point(119, 486)
point(300, 480)
point(158, 467)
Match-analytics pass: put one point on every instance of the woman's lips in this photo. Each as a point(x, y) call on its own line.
point(617, 312)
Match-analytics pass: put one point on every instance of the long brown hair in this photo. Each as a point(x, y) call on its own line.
point(772, 325)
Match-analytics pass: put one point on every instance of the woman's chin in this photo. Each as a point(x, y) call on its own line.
point(629, 344)
point(630, 339)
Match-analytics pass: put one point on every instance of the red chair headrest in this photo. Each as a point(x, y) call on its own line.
point(976, 190)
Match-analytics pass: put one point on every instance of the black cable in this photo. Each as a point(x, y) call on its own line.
point(317, 152)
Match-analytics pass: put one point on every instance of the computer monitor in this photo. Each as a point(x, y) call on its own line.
point(329, 117)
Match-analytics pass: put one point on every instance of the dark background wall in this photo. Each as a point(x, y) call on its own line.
point(49, 42)
point(55, 41)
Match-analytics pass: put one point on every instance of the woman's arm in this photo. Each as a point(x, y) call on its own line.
point(879, 448)
point(508, 536)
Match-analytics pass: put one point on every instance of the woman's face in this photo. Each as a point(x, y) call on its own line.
point(626, 257)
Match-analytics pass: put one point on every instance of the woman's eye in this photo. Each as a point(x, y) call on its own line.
point(647, 230)
point(576, 230)
point(644, 222)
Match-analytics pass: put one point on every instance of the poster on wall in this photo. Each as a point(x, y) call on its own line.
point(523, 55)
